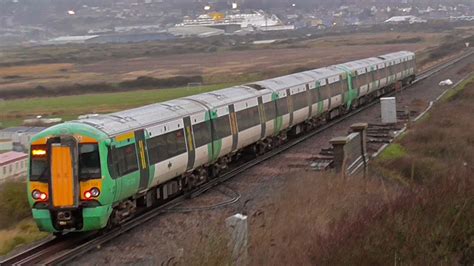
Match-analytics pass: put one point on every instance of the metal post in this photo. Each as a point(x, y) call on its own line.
point(238, 229)
point(361, 128)
point(338, 144)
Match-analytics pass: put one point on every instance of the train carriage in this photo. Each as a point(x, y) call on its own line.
point(94, 172)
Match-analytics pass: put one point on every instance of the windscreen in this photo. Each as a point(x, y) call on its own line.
point(89, 161)
point(39, 169)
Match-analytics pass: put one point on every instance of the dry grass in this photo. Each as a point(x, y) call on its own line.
point(23, 233)
point(14, 205)
point(433, 220)
point(17, 228)
point(288, 232)
point(42, 69)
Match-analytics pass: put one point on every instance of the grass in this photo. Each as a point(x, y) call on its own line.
point(16, 225)
point(25, 232)
point(393, 151)
point(68, 107)
point(453, 93)
point(13, 203)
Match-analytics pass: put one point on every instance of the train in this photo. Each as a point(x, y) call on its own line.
point(94, 173)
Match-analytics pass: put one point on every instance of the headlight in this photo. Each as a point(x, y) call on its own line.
point(36, 194)
point(95, 192)
point(92, 193)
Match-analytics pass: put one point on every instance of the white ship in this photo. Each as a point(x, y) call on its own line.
point(257, 19)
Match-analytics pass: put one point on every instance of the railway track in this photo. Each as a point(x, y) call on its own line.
point(60, 250)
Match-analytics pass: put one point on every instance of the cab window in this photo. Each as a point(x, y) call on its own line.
point(89, 161)
point(39, 170)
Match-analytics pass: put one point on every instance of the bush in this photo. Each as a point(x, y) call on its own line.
point(14, 205)
point(145, 81)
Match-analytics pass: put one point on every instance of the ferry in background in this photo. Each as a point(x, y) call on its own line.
point(257, 19)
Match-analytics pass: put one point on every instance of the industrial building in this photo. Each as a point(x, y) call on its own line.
point(6, 145)
point(19, 136)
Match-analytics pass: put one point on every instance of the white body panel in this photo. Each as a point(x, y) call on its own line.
point(170, 168)
point(249, 136)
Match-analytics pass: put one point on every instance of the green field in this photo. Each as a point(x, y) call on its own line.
point(13, 112)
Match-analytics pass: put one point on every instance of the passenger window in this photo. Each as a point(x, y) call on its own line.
point(163, 147)
point(124, 160)
point(248, 118)
point(300, 100)
point(282, 106)
point(314, 95)
point(202, 134)
point(221, 127)
point(270, 110)
point(335, 88)
point(325, 91)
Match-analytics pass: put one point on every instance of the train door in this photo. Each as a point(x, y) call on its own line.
point(233, 127)
point(261, 111)
point(64, 184)
point(290, 107)
point(143, 164)
point(309, 101)
point(189, 143)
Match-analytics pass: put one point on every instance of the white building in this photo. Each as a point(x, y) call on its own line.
point(405, 19)
point(6, 145)
point(13, 165)
point(20, 136)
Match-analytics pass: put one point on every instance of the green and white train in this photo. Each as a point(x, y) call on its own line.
point(95, 172)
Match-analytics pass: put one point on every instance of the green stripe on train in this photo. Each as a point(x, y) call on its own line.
point(214, 148)
point(278, 121)
point(353, 93)
point(320, 103)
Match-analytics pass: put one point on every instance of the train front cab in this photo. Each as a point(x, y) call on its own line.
point(67, 185)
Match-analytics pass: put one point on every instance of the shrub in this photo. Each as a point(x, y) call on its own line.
point(13, 203)
point(145, 81)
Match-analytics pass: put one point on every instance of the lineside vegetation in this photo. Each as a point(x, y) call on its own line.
point(416, 208)
point(16, 226)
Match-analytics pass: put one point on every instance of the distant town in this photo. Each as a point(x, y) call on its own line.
point(86, 21)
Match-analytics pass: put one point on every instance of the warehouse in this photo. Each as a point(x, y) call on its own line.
point(20, 136)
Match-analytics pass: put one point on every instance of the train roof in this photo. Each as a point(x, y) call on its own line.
point(367, 62)
point(224, 97)
point(146, 116)
point(124, 121)
point(397, 55)
point(288, 81)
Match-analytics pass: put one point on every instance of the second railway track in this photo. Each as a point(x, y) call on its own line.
point(64, 249)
